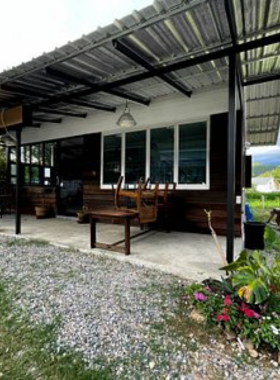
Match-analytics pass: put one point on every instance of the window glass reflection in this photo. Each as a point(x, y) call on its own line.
point(111, 158)
point(162, 155)
point(192, 153)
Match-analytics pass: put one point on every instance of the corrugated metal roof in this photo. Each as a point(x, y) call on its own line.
point(166, 32)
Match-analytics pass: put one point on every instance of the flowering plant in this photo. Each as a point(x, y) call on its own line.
point(223, 303)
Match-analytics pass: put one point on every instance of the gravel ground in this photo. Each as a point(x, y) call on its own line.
point(115, 312)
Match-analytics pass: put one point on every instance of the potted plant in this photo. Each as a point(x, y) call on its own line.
point(43, 210)
point(83, 215)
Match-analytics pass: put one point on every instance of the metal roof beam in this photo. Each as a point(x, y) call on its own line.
point(261, 116)
point(43, 120)
point(274, 55)
point(23, 91)
point(62, 112)
point(270, 97)
point(136, 57)
point(261, 79)
point(66, 77)
point(272, 130)
point(124, 94)
point(84, 103)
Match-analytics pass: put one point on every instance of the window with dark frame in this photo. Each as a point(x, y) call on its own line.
point(112, 158)
point(37, 162)
point(176, 153)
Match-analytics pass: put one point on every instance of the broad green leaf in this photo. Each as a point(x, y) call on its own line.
point(258, 291)
point(242, 279)
point(242, 260)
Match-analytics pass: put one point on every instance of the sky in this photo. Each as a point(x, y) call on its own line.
point(29, 28)
point(266, 153)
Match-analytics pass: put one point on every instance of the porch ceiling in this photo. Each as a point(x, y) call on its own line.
point(172, 46)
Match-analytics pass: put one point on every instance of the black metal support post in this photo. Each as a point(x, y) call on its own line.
point(18, 181)
point(231, 158)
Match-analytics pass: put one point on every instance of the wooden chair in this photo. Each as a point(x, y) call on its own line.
point(142, 201)
point(164, 203)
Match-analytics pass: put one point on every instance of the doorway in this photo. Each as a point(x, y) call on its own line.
point(70, 179)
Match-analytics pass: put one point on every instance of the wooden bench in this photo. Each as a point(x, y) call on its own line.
point(114, 215)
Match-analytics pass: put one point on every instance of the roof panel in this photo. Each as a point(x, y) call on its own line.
point(168, 31)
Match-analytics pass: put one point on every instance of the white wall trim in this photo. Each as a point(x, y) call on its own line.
point(166, 110)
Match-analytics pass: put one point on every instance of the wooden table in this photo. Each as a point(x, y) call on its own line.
point(113, 215)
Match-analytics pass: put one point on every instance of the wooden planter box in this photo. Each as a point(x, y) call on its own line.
point(42, 212)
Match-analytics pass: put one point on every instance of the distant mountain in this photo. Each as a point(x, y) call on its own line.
point(258, 168)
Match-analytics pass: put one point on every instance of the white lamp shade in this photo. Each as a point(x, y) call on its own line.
point(126, 120)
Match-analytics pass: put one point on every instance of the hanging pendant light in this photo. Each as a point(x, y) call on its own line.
point(126, 120)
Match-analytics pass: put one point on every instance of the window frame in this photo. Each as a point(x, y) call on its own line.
point(203, 186)
point(29, 165)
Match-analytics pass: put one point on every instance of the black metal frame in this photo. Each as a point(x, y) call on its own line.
point(231, 144)
point(18, 182)
point(62, 112)
point(72, 78)
point(131, 53)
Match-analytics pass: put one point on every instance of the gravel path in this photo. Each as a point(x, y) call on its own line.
point(114, 311)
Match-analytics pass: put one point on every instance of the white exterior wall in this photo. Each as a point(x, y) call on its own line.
point(162, 111)
point(268, 188)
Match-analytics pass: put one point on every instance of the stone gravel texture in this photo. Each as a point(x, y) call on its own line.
point(114, 312)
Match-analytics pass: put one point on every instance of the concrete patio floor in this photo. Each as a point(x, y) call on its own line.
point(188, 255)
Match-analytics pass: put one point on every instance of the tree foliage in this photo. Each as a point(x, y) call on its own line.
point(261, 170)
point(274, 173)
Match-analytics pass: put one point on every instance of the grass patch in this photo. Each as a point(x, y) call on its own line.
point(29, 352)
point(26, 242)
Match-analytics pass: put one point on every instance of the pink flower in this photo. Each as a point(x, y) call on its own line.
point(208, 289)
point(200, 296)
point(227, 300)
point(256, 315)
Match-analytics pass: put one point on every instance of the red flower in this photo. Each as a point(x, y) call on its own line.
point(227, 300)
point(225, 310)
point(249, 313)
point(222, 317)
point(242, 308)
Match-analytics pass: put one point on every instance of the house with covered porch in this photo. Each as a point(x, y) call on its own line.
point(200, 78)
